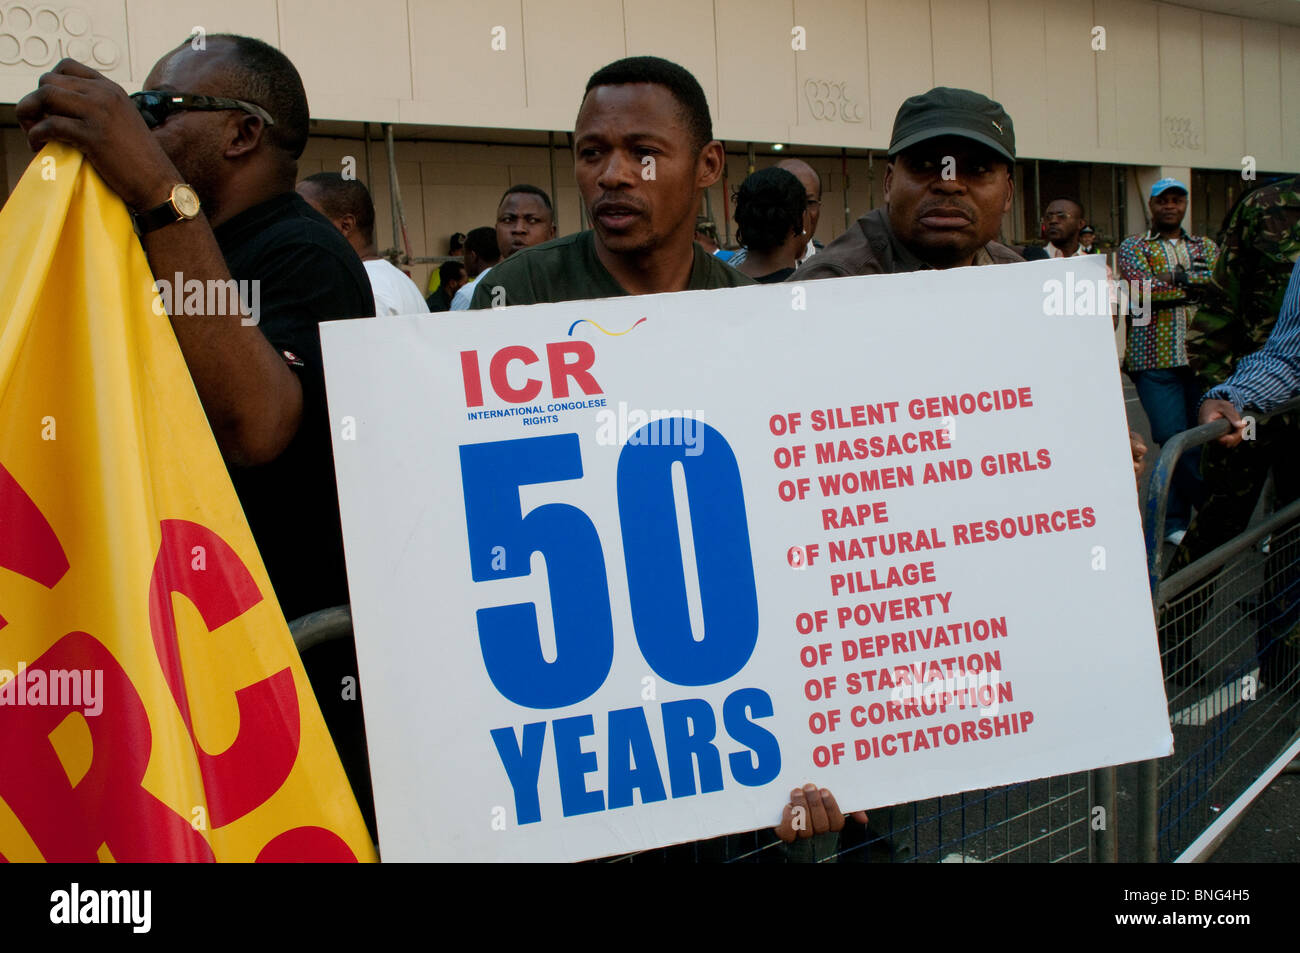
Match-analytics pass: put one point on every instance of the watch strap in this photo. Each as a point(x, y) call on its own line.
point(155, 218)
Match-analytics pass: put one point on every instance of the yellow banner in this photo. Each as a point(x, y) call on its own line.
point(153, 705)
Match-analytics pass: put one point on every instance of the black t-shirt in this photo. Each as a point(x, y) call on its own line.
point(567, 269)
point(438, 301)
point(307, 273)
point(775, 277)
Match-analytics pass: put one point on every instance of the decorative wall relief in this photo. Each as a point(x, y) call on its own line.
point(830, 102)
point(33, 35)
point(1181, 133)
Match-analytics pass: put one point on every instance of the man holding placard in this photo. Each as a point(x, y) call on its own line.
point(947, 185)
point(643, 152)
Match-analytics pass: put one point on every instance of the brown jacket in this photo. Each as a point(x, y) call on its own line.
point(869, 248)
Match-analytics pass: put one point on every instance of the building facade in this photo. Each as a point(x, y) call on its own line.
point(1107, 95)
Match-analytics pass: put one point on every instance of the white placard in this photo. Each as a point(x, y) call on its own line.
point(887, 540)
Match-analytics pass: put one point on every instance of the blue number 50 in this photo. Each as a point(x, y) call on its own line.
point(575, 566)
point(502, 541)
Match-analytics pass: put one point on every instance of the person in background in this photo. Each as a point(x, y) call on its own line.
point(771, 213)
point(1063, 224)
point(1063, 221)
point(348, 206)
point(706, 235)
point(1252, 281)
point(1244, 349)
point(481, 253)
point(1179, 267)
point(812, 184)
point(1264, 379)
point(451, 277)
point(455, 249)
point(524, 218)
point(1087, 238)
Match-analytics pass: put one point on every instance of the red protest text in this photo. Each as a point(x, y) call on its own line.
point(565, 361)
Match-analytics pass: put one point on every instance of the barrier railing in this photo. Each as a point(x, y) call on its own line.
point(317, 628)
point(1228, 628)
point(1037, 821)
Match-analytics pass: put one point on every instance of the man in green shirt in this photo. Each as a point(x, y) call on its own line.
point(643, 153)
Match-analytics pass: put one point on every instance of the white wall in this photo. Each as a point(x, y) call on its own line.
point(1174, 86)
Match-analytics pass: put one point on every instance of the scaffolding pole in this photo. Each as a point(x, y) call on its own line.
point(1038, 201)
point(370, 178)
point(555, 198)
point(582, 208)
point(844, 174)
point(399, 217)
point(726, 199)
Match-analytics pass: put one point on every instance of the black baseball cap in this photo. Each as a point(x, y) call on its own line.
point(945, 111)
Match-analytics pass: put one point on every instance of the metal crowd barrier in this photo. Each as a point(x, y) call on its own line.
point(1037, 821)
point(1228, 636)
point(317, 628)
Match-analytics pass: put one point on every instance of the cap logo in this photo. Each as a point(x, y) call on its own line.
point(997, 127)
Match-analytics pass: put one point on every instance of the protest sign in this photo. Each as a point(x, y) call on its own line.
point(624, 572)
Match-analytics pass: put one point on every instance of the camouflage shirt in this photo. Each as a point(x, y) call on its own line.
point(1259, 248)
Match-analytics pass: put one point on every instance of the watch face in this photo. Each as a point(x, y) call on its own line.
point(185, 200)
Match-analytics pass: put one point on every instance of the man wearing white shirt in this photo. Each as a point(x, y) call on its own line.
point(348, 206)
point(1062, 222)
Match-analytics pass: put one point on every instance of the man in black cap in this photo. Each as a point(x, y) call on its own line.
point(947, 185)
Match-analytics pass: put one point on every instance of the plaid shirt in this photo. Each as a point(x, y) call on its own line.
point(1163, 342)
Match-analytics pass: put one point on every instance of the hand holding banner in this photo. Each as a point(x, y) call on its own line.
point(135, 725)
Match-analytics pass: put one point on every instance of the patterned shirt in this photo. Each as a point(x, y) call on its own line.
point(1163, 341)
point(1270, 376)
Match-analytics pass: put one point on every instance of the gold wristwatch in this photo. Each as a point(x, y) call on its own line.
point(182, 204)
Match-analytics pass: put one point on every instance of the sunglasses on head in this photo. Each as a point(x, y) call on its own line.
point(155, 106)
